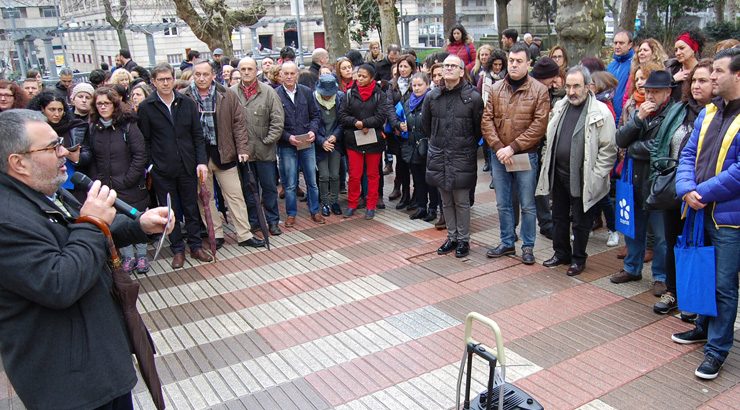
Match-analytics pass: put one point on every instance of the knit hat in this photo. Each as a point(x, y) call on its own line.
point(545, 68)
point(82, 88)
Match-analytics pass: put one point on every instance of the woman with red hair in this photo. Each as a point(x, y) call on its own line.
point(12, 96)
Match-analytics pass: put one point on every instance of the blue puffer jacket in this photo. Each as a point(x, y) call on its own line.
point(620, 68)
point(721, 192)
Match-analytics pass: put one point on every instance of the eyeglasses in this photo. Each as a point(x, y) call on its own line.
point(56, 145)
point(6, 96)
point(164, 79)
point(103, 104)
point(451, 66)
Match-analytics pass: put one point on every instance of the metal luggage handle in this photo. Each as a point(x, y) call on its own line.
point(475, 316)
point(500, 354)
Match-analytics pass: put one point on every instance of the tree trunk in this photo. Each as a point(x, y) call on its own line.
point(580, 27)
point(652, 13)
point(120, 24)
point(449, 16)
point(502, 20)
point(218, 21)
point(719, 11)
point(627, 15)
point(335, 22)
point(389, 29)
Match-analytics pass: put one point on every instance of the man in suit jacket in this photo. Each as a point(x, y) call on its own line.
point(171, 126)
point(301, 118)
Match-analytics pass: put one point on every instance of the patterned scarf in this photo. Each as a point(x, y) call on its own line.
point(207, 109)
point(404, 83)
point(249, 90)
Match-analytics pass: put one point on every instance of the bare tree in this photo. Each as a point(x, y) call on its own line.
point(503, 16)
point(388, 23)
point(449, 15)
point(118, 24)
point(627, 15)
point(216, 21)
point(335, 22)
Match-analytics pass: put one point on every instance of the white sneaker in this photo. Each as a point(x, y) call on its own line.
point(613, 239)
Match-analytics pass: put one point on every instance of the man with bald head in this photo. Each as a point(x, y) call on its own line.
point(301, 118)
point(264, 115)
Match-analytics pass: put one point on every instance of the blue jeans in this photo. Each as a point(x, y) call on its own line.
point(289, 160)
point(266, 177)
point(636, 247)
point(720, 329)
point(526, 182)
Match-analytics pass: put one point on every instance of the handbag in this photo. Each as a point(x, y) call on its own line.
point(695, 268)
point(625, 209)
point(422, 146)
point(663, 189)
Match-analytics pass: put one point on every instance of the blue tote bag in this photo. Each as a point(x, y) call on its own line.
point(625, 209)
point(695, 268)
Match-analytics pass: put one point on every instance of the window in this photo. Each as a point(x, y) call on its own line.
point(14, 13)
point(48, 11)
point(480, 3)
point(170, 31)
point(174, 58)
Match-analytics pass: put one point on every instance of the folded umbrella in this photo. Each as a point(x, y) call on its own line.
point(126, 291)
point(205, 200)
point(256, 191)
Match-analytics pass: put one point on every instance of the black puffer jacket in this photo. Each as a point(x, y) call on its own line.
point(451, 119)
point(638, 136)
point(373, 113)
point(119, 159)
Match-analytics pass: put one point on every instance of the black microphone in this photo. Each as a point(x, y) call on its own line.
point(80, 179)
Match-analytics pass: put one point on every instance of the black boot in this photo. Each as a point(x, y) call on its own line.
point(405, 200)
point(431, 215)
point(420, 213)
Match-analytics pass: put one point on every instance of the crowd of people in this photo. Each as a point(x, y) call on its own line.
point(555, 135)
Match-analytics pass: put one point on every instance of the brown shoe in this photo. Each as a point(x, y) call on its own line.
point(201, 255)
point(178, 260)
point(388, 169)
point(318, 219)
point(648, 256)
point(441, 224)
point(659, 288)
point(623, 277)
point(290, 222)
point(622, 253)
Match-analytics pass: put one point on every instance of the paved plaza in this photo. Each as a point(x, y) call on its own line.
point(361, 314)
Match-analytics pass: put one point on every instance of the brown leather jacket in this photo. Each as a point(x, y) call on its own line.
point(231, 125)
point(516, 119)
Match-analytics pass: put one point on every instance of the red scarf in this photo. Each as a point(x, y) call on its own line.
point(367, 91)
point(249, 90)
point(346, 84)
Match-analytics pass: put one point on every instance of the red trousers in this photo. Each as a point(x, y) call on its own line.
point(370, 163)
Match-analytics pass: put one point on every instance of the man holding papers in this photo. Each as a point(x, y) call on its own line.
point(578, 156)
point(296, 144)
point(514, 122)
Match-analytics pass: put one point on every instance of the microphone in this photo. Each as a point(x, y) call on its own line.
point(80, 179)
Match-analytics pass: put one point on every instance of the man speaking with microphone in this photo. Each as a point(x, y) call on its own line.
point(62, 338)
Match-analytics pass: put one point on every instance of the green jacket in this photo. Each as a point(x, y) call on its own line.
point(265, 118)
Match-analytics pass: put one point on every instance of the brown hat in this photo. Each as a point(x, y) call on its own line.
point(545, 68)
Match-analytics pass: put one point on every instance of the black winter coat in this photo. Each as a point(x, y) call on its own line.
point(119, 160)
point(62, 337)
point(394, 97)
point(373, 113)
point(175, 143)
point(638, 136)
point(451, 119)
point(410, 147)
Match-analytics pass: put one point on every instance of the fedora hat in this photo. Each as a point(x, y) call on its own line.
point(659, 79)
point(327, 85)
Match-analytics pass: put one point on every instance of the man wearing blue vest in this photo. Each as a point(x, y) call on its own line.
point(708, 177)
